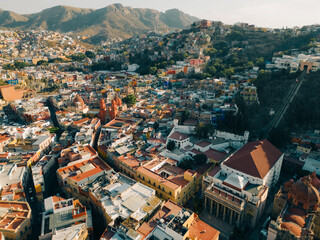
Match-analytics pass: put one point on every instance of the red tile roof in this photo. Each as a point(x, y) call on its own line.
point(178, 136)
point(215, 155)
point(168, 208)
point(255, 158)
point(203, 144)
point(203, 231)
point(292, 227)
point(9, 93)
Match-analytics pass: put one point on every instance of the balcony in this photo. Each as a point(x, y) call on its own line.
point(231, 200)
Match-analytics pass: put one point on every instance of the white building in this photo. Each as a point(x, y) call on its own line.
point(237, 191)
point(11, 173)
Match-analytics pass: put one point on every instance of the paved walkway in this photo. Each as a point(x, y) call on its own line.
point(224, 228)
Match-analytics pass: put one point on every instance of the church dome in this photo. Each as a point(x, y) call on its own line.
point(78, 99)
point(313, 180)
point(295, 219)
point(295, 229)
point(288, 184)
point(303, 191)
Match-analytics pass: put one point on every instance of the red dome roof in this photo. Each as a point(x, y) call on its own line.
point(313, 179)
point(288, 184)
point(295, 229)
point(304, 192)
point(78, 99)
point(295, 219)
point(297, 211)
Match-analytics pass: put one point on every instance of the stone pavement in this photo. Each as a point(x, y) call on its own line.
point(224, 228)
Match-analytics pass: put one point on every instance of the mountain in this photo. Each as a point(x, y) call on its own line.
point(8, 17)
point(112, 21)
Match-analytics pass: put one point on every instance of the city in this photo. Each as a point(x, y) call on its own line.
point(204, 131)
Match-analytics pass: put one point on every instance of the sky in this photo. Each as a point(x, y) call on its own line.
point(262, 13)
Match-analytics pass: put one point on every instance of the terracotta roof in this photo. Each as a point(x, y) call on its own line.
point(295, 219)
point(203, 144)
point(215, 155)
point(178, 136)
point(57, 199)
point(9, 93)
point(107, 235)
point(304, 192)
point(195, 151)
point(292, 227)
point(214, 171)
point(297, 211)
point(203, 168)
point(167, 209)
point(201, 230)
point(4, 137)
point(255, 158)
point(313, 179)
point(157, 177)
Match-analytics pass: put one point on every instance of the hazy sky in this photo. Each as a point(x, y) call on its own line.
point(268, 13)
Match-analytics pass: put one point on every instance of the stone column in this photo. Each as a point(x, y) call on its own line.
point(211, 206)
point(231, 216)
point(217, 214)
point(238, 221)
point(224, 213)
point(205, 203)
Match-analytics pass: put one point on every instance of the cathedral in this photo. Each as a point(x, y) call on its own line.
point(296, 209)
point(109, 113)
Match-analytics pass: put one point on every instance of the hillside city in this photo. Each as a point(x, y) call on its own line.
point(203, 133)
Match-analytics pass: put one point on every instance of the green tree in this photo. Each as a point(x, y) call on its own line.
point(131, 99)
point(90, 54)
point(171, 145)
point(77, 57)
point(202, 130)
point(184, 116)
point(20, 65)
point(200, 159)
point(42, 63)
point(153, 70)
point(55, 60)
point(260, 62)
point(186, 164)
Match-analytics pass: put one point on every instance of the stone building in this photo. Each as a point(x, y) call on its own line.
point(109, 113)
point(236, 192)
point(296, 210)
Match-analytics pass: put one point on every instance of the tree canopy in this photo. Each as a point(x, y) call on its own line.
point(131, 99)
point(171, 145)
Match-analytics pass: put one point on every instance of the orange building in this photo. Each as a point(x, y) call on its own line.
point(9, 93)
point(15, 220)
point(107, 114)
point(296, 209)
point(164, 220)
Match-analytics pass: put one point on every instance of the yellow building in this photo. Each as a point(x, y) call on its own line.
point(170, 182)
point(15, 220)
point(249, 94)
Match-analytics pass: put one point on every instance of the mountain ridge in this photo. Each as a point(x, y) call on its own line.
point(113, 20)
